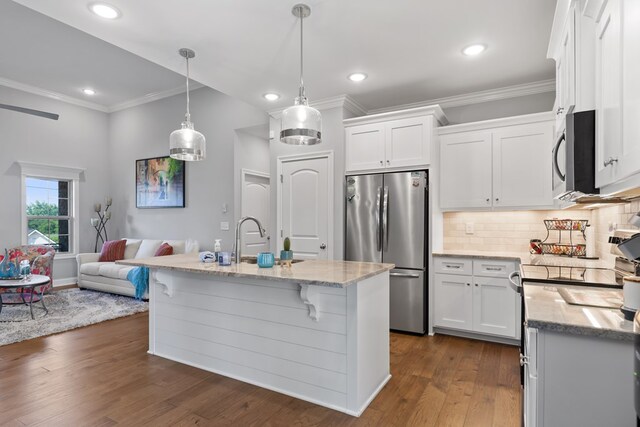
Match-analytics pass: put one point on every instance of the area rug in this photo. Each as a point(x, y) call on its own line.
point(68, 309)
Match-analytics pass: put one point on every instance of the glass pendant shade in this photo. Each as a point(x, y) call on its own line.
point(301, 124)
point(187, 143)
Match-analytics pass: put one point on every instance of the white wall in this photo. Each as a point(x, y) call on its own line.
point(536, 103)
point(78, 139)
point(143, 131)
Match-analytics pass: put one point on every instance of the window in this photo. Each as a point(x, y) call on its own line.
point(48, 214)
point(50, 207)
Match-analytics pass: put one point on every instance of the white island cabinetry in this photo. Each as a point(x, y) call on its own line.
point(318, 331)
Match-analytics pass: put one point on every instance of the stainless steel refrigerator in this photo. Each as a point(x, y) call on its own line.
point(386, 221)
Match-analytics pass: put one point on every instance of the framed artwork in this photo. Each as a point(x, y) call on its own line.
point(160, 183)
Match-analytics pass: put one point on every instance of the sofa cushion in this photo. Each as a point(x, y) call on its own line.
point(164, 250)
point(178, 246)
point(93, 268)
point(132, 248)
point(148, 248)
point(115, 271)
point(112, 250)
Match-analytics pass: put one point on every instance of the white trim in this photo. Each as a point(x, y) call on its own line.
point(340, 101)
point(506, 92)
point(150, 97)
point(51, 94)
point(28, 169)
point(330, 194)
point(433, 110)
point(65, 281)
point(493, 123)
point(559, 20)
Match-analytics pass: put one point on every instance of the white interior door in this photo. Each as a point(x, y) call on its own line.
point(255, 202)
point(306, 207)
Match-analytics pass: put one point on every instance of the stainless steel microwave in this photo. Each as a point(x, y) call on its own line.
point(573, 157)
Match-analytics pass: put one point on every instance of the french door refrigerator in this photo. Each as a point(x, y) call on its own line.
point(386, 221)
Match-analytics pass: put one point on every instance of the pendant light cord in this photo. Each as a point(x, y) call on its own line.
point(301, 93)
point(188, 116)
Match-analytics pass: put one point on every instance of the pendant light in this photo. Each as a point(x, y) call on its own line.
point(187, 143)
point(301, 124)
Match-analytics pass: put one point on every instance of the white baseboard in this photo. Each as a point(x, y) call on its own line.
point(65, 282)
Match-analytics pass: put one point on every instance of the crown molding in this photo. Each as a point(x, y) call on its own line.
point(52, 95)
point(92, 105)
point(340, 101)
point(433, 110)
point(155, 96)
point(546, 116)
point(506, 92)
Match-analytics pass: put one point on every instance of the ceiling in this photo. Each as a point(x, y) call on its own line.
point(46, 54)
point(411, 49)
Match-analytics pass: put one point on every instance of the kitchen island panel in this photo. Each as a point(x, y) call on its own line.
point(322, 344)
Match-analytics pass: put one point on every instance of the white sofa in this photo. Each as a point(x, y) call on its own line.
point(111, 277)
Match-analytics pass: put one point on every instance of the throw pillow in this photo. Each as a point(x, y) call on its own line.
point(164, 249)
point(112, 250)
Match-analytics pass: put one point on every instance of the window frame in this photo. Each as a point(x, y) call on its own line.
point(71, 174)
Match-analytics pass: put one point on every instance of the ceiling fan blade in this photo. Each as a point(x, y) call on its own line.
point(30, 111)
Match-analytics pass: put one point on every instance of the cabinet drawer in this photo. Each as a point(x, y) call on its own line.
point(493, 268)
point(449, 265)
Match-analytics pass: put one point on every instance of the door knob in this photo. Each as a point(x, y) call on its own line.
point(323, 246)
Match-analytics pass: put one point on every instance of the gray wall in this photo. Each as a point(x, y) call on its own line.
point(78, 139)
point(251, 151)
point(332, 140)
point(536, 103)
point(143, 131)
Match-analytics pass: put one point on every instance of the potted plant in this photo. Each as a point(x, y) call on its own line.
point(286, 255)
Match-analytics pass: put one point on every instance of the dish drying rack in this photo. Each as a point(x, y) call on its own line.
point(570, 227)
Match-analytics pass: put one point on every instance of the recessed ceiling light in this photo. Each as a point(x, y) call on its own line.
point(88, 91)
point(357, 77)
point(271, 96)
point(104, 10)
point(474, 49)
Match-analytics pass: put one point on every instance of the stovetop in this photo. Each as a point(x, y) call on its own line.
point(587, 276)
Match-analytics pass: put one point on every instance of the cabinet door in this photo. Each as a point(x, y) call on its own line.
point(494, 307)
point(365, 147)
point(465, 170)
point(408, 142)
point(453, 301)
point(565, 71)
point(608, 94)
point(522, 166)
point(629, 162)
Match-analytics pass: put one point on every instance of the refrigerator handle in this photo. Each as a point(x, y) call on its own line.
point(385, 218)
point(378, 233)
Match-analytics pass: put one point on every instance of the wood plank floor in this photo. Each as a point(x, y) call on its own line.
point(101, 375)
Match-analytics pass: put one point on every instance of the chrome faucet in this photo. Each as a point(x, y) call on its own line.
point(240, 222)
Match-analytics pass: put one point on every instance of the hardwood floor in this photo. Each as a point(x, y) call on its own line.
point(101, 375)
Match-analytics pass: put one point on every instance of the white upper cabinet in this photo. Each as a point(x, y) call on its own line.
point(565, 72)
point(497, 164)
point(608, 94)
point(522, 165)
point(465, 177)
point(391, 141)
point(630, 150)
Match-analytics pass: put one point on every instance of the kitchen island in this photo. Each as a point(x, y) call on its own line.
point(579, 360)
point(318, 331)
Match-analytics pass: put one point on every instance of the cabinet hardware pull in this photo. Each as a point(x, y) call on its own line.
point(524, 360)
point(380, 162)
point(494, 268)
point(610, 161)
point(497, 199)
point(488, 200)
point(476, 284)
point(407, 275)
point(559, 110)
point(468, 284)
point(452, 266)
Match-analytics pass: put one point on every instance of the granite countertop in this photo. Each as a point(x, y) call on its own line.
point(525, 258)
point(546, 309)
point(337, 274)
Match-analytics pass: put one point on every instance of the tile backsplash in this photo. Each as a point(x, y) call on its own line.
point(511, 231)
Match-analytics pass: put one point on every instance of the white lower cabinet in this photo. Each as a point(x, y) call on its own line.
point(479, 302)
point(577, 380)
